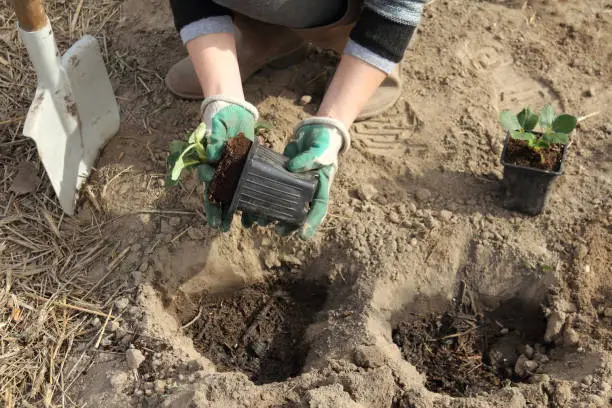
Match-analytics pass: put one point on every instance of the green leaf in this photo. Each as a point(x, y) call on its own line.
point(564, 124)
point(517, 134)
point(509, 121)
point(538, 144)
point(528, 119)
point(180, 163)
point(177, 146)
point(547, 117)
point(198, 134)
point(556, 137)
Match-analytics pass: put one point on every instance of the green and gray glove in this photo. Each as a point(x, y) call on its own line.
point(225, 118)
point(317, 143)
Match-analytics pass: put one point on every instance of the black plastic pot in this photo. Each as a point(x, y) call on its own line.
point(267, 188)
point(528, 189)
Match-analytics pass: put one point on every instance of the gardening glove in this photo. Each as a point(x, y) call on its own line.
point(317, 143)
point(225, 118)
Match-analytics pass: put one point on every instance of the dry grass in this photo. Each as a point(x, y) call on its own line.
point(45, 305)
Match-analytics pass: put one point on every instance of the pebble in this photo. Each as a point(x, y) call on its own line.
point(597, 400)
point(423, 194)
point(582, 251)
point(539, 378)
point(414, 242)
point(305, 100)
point(148, 392)
point(112, 326)
point(138, 393)
point(395, 218)
point(366, 192)
point(122, 303)
point(96, 322)
point(588, 380)
point(134, 358)
point(529, 351)
point(412, 207)
point(181, 377)
point(555, 323)
point(159, 386)
point(175, 221)
point(445, 214)
point(523, 365)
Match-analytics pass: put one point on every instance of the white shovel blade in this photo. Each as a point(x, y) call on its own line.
point(95, 100)
point(52, 123)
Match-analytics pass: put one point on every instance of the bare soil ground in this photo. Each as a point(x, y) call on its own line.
point(421, 289)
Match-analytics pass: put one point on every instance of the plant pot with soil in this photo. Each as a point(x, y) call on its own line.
point(533, 160)
point(249, 177)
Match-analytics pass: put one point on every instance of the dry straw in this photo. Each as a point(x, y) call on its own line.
point(45, 304)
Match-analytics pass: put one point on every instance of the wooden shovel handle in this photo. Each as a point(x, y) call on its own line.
point(30, 14)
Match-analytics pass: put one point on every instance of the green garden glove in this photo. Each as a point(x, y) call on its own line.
point(316, 145)
point(225, 118)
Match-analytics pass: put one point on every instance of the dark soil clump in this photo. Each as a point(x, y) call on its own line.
point(259, 329)
point(456, 349)
point(520, 154)
point(229, 169)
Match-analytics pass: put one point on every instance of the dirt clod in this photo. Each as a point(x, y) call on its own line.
point(366, 192)
point(134, 358)
point(556, 320)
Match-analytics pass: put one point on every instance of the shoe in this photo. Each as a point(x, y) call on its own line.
point(335, 37)
point(257, 44)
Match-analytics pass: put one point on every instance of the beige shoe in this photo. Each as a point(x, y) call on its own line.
point(334, 37)
point(257, 44)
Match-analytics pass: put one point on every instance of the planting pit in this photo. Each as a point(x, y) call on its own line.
point(464, 352)
point(259, 329)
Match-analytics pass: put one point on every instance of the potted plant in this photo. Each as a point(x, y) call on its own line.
point(533, 160)
point(249, 177)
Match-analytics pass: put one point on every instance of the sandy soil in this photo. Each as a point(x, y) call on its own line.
point(417, 222)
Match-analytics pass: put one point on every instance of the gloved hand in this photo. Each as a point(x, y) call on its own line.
point(316, 145)
point(225, 118)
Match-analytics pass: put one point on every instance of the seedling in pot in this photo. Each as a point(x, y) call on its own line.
point(555, 129)
point(532, 159)
point(249, 177)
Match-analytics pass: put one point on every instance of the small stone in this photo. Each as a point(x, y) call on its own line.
point(582, 251)
point(414, 242)
point(539, 378)
point(555, 323)
point(529, 351)
point(122, 303)
point(570, 337)
point(519, 366)
point(305, 100)
point(423, 194)
point(191, 378)
point(596, 400)
point(588, 380)
point(159, 386)
point(394, 217)
point(96, 322)
point(446, 215)
point(366, 192)
point(112, 326)
point(106, 342)
point(148, 392)
point(134, 358)
point(181, 377)
point(138, 393)
point(531, 365)
point(175, 221)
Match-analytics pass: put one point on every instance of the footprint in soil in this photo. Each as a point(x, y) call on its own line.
point(259, 329)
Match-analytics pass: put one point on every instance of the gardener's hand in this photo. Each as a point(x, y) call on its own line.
point(225, 118)
point(316, 145)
